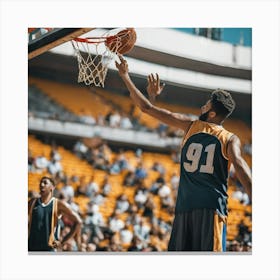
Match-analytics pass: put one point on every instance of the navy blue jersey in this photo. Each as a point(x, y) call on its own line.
point(42, 226)
point(204, 168)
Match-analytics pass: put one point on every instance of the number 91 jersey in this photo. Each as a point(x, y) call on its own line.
point(204, 168)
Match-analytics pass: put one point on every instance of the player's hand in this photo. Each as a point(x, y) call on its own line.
point(57, 244)
point(122, 66)
point(154, 87)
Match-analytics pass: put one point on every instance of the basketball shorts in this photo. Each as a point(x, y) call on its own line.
point(198, 230)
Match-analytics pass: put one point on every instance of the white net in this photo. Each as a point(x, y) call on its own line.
point(93, 60)
point(94, 54)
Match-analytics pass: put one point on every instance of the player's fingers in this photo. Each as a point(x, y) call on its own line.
point(151, 78)
point(121, 58)
point(157, 80)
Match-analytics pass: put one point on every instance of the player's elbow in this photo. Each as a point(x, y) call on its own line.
point(146, 107)
point(78, 222)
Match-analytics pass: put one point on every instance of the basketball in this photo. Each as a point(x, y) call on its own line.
point(122, 42)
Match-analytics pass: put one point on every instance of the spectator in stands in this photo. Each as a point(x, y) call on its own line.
point(114, 245)
point(129, 179)
point(134, 217)
point(31, 162)
point(67, 190)
point(122, 160)
point(175, 155)
point(142, 231)
point(106, 186)
point(235, 246)
point(100, 157)
point(138, 153)
point(140, 172)
point(92, 187)
point(149, 207)
point(107, 117)
point(41, 163)
point(164, 191)
point(54, 167)
point(98, 160)
point(125, 122)
point(157, 185)
point(60, 177)
point(94, 221)
point(166, 199)
point(115, 119)
point(157, 166)
point(120, 164)
point(174, 181)
point(115, 168)
point(141, 196)
point(81, 187)
point(80, 149)
point(115, 222)
point(122, 204)
point(162, 130)
point(164, 227)
point(242, 197)
point(126, 235)
point(97, 198)
point(55, 153)
point(246, 246)
point(136, 245)
point(243, 232)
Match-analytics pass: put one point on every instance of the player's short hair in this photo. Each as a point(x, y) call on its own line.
point(48, 178)
point(222, 102)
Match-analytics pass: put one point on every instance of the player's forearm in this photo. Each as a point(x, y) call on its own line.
point(136, 95)
point(74, 230)
point(243, 173)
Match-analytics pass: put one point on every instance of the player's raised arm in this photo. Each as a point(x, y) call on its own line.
point(242, 169)
point(173, 119)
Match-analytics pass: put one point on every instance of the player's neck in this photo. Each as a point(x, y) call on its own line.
point(215, 121)
point(46, 198)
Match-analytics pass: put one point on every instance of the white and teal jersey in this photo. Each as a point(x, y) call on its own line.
point(204, 168)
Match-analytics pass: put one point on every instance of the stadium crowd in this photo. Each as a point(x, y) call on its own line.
point(133, 224)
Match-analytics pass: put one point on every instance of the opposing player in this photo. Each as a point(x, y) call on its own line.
point(43, 214)
point(206, 153)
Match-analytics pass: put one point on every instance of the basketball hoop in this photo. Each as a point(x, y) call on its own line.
point(94, 54)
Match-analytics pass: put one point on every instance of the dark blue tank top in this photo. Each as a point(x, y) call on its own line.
point(204, 169)
point(41, 227)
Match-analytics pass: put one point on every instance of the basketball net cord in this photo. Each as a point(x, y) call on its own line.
point(94, 58)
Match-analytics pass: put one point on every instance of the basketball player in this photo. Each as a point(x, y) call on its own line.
point(43, 215)
point(206, 153)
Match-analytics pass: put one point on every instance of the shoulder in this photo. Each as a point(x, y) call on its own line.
point(61, 204)
point(32, 201)
point(234, 148)
point(234, 140)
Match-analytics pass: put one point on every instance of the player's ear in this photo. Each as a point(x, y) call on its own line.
point(212, 114)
